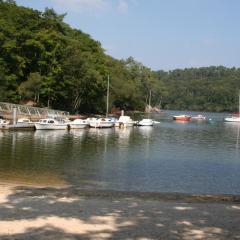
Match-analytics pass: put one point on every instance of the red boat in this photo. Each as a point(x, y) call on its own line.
point(184, 118)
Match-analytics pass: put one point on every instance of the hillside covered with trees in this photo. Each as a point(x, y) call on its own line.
point(44, 60)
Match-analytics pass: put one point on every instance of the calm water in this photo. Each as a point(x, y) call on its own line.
point(194, 157)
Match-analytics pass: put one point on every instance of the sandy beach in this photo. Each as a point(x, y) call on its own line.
point(37, 212)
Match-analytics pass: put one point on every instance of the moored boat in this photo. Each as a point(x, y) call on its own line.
point(232, 119)
point(124, 121)
point(4, 122)
point(145, 122)
point(184, 118)
point(101, 122)
point(50, 124)
point(198, 117)
point(235, 117)
point(78, 124)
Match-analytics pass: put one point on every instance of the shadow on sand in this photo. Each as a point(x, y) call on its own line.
point(72, 213)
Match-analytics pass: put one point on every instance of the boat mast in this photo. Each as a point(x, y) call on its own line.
point(239, 104)
point(149, 103)
point(107, 97)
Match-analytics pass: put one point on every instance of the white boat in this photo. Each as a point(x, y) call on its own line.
point(78, 123)
point(101, 122)
point(234, 117)
point(146, 122)
point(25, 122)
point(50, 124)
point(124, 121)
point(4, 122)
point(198, 117)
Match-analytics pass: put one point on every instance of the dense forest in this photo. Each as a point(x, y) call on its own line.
point(44, 60)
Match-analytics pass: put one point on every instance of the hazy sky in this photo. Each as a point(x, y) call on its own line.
point(162, 34)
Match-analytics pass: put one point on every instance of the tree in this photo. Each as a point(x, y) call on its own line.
point(30, 89)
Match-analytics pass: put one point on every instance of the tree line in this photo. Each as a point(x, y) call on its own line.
point(44, 60)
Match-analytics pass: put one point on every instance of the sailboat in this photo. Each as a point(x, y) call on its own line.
point(102, 122)
point(147, 121)
point(235, 117)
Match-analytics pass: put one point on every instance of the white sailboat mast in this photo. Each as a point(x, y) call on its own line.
point(149, 103)
point(107, 97)
point(239, 104)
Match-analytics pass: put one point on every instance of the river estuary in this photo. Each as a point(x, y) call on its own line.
point(194, 157)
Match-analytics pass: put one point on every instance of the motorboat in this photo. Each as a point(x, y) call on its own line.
point(124, 121)
point(4, 122)
point(233, 118)
point(50, 124)
point(146, 122)
point(198, 117)
point(100, 122)
point(25, 122)
point(78, 123)
point(184, 118)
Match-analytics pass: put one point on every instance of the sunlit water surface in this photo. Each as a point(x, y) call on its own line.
point(194, 157)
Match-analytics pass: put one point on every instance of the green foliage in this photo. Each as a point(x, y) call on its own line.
point(206, 89)
point(43, 59)
point(30, 89)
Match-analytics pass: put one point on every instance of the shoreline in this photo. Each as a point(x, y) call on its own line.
point(29, 212)
point(62, 190)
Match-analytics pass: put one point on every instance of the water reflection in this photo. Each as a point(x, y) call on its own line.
point(233, 128)
point(169, 157)
point(49, 136)
point(146, 131)
point(78, 133)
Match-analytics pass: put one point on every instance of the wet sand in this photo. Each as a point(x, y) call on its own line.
point(38, 212)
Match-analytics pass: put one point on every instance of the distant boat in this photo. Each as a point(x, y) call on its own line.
point(198, 117)
point(50, 124)
point(184, 118)
point(124, 121)
point(234, 117)
point(100, 122)
point(78, 124)
point(4, 122)
point(147, 121)
point(103, 122)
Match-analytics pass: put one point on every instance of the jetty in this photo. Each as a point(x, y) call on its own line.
point(25, 111)
point(12, 112)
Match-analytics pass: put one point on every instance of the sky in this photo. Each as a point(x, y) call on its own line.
point(161, 34)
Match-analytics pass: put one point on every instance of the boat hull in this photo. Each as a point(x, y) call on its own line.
point(125, 121)
point(184, 118)
point(78, 126)
point(40, 126)
point(198, 117)
point(145, 122)
point(232, 119)
point(101, 124)
point(126, 124)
